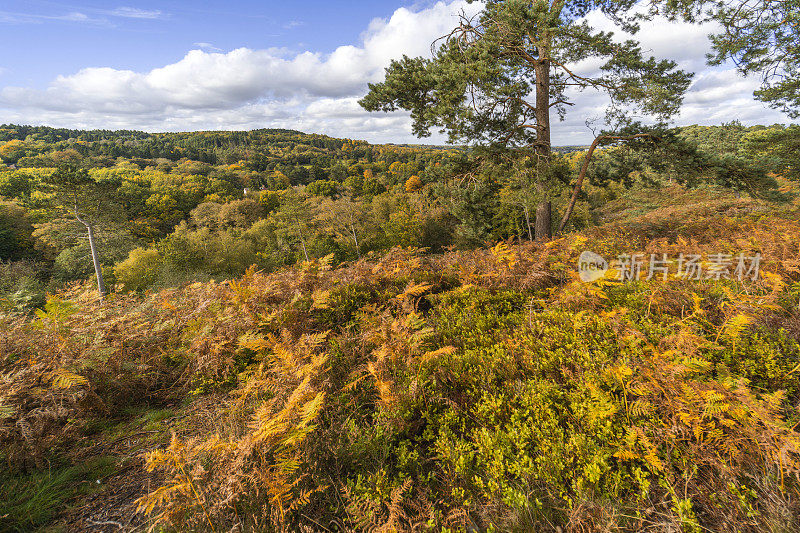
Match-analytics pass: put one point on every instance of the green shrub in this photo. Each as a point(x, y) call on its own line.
point(140, 270)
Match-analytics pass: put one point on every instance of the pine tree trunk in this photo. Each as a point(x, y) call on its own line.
point(543, 221)
point(542, 112)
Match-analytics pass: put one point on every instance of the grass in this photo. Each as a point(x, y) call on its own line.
point(33, 501)
point(30, 501)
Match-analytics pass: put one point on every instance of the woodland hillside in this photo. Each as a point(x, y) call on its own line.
point(167, 209)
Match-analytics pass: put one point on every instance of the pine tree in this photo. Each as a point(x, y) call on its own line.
point(495, 78)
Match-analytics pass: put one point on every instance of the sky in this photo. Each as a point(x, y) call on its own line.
point(182, 65)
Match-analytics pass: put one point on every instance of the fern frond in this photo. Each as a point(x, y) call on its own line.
point(447, 350)
point(311, 409)
point(414, 290)
point(64, 379)
point(734, 327)
point(326, 262)
point(504, 254)
point(320, 299)
point(253, 341)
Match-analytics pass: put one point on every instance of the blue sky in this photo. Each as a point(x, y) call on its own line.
point(57, 37)
point(242, 64)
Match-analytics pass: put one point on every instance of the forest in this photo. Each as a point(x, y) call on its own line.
point(175, 208)
point(278, 331)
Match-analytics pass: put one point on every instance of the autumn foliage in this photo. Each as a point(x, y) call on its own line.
point(486, 389)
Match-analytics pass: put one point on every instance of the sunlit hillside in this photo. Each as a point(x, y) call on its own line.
point(489, 389)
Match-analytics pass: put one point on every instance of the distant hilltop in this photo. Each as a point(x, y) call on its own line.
point(48, 134)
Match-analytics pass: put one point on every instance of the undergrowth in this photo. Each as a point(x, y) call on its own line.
point(484, 390)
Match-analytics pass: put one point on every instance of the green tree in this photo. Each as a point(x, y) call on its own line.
point(402, 228)
point(495, 79)
point(323, 188)
point(760, 37)
point(140, 270)
point(12, 151)
point(16, 241)
point(780, 144)
point(473, 207)
point(76, 195)
point(240, 213)
point(15, 185)
point(206, 215)
point(344, 218)
point(293, 219)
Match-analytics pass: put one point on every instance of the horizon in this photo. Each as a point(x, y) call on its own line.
point(289, 130)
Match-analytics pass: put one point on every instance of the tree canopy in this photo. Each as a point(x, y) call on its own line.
point(496, 77)
point(761, 37)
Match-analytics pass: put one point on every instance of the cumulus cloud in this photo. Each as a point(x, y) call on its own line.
point(243, 88)
point(310, 91)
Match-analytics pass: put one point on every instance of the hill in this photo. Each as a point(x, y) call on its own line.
point(312, 334)
point(169, 208)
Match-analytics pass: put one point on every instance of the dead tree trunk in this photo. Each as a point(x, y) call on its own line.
point(303, 243)
point(355, 239)
point(585, 167)
point(578, 185)
point(528, 223)
point(98, 268)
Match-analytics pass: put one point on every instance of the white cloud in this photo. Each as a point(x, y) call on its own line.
point(715, 95)
point(315, 92)
point(682, 42)
point(135, 13)
point(75, 16)
point(208, 47)
point(243, 88)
